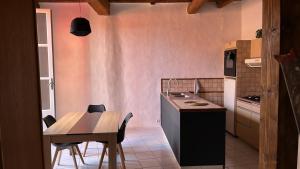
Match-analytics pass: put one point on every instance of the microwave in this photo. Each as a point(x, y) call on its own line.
point(230, 62)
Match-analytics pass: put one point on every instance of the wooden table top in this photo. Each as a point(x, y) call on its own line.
point(85, 123)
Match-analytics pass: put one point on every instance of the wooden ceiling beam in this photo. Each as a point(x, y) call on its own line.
point(102, 7)
point(62, 1)
point(117, 1)
point(222, 3)
point(195, 5)
point(120, 1)
point(148, 1)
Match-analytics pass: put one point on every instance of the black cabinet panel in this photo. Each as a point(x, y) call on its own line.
point(170, 121)
point(196, 138)
point(202, 138)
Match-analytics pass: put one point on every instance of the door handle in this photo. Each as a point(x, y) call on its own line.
point(52, 84)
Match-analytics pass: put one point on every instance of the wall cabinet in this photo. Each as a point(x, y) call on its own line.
point(256, 46)
point(247, 126)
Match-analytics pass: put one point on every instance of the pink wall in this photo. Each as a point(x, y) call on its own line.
point(251, 18)
point(71, 61)
point(131, 50)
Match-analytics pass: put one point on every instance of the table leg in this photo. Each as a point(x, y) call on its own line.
point(47, 152)
point(112, 152)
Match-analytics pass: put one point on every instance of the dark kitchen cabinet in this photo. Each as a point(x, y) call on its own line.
point(196, 138)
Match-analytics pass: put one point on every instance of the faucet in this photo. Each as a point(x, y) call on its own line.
point(169, 85)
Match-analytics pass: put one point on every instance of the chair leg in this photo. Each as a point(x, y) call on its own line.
point(79, 153)
point(122, 152)
point(74, 159)
point(55, 156)
point(59, 157)
point(102, 155)
point(85, 148)
point(105, 151)
point(119, 147)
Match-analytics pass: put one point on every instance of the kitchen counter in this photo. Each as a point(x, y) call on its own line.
point(182, 103)
point(248, 104)
point(249, 101)
point(196, 134)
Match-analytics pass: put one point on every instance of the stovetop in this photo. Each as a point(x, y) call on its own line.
point(252, 98)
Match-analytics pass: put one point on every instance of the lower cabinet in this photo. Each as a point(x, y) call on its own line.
point(196, 138)
point(247, 126)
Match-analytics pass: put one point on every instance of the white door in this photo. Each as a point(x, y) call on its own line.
point(230, 103)
point(43, 20)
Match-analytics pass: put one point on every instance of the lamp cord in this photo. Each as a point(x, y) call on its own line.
point(80, 8)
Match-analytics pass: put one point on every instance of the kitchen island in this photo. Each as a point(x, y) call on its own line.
point(195, 129)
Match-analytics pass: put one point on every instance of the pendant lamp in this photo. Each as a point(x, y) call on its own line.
point(80, 26)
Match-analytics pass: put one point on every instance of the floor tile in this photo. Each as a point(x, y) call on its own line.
point(148, 148)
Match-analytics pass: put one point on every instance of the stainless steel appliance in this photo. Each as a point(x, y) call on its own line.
point(230, 57)
point(252, 98)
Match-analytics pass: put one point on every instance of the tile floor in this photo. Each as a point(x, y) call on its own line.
point(148, 148)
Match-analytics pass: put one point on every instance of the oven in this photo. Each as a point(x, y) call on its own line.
point(230, 62)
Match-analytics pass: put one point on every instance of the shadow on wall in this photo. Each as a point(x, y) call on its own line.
point(114, 74)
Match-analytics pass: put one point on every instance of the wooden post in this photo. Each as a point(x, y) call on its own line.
point(279, 133)
point(270, 85)
point(47, 152)
point(20, 106)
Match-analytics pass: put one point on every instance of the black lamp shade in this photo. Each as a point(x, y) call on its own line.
point(80, 27)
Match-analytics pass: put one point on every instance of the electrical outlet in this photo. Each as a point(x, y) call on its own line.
point(158, 121)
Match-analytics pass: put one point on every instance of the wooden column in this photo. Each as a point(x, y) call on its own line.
point(1, 165)
point(288, 132)
point(279, 129)
point(195, 5)
point(20, 108)
point(102, 7)
point(270, 85)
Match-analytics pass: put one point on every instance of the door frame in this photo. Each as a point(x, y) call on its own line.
point(51, 77)
point(20, 118)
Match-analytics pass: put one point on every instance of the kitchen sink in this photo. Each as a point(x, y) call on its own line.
point(190, 102)
point(199, 104)
point(195, 103)
point(179, 94)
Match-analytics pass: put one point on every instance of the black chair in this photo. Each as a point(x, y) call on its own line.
point(96, 108)
point(93, 109)
point(120, 139)
point(73, 147)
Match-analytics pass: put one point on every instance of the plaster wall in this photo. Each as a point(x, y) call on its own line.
point(251, 15)
point(122, 62)
point(71, 61)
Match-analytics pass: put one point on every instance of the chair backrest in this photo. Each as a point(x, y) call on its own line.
point(96, 108)
point(49, 120)
point(121, 132)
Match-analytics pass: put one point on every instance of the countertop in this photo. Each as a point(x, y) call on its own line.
point(181, 106)
point(248, 104)
point(249, 101)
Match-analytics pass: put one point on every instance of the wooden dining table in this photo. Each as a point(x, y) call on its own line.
point(81, 127)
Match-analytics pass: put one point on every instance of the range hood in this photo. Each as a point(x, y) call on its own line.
point(255, 62)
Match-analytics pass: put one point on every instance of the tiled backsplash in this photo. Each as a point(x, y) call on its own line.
point(248, 79)
point(249, 82)
point(211, 89)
